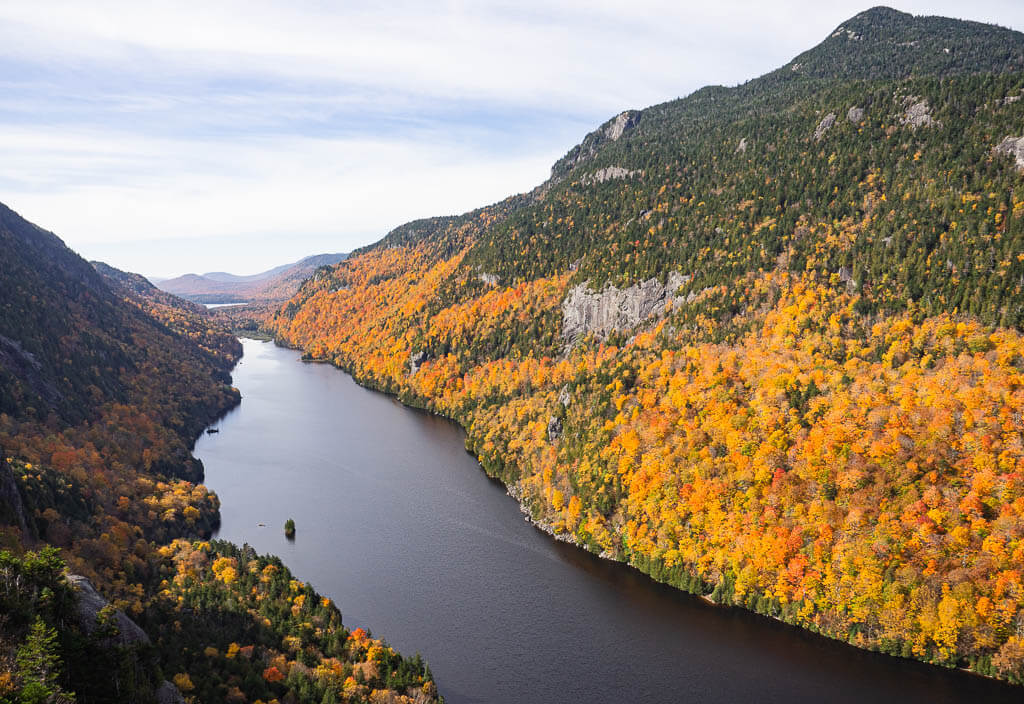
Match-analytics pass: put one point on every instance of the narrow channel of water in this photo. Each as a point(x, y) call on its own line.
point(401, 527)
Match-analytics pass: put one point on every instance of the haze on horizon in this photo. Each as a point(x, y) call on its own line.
point(192, 137)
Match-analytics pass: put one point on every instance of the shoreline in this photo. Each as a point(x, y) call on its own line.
point(571, 539)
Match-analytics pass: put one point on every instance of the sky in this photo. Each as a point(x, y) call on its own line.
point(179, 136)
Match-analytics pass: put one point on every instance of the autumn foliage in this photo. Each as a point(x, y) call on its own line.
point(823, 424)
point(859, 476)
point(245, 627)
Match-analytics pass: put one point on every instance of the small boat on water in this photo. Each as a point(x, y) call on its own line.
point(211, 431)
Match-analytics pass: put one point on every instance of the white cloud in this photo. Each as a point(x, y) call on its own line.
point(157, 189)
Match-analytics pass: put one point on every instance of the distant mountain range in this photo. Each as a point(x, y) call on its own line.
point(275, 284)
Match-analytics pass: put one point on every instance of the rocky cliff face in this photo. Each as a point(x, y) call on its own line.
point(11, 507)
point(90, 603)
point(25, 367)
point(824, 126)
point(611, 131)
point(613, 309)
point(620, 123)
point(415, 360)
point(610, 173)
point(917, 113)
point(1013, 146)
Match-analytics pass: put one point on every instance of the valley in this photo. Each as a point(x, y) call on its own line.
point(386, 495)
point(763, 354)
point(273, 285)
point(726, 408)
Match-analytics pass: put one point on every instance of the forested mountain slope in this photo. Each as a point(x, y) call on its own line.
point(105, 382)
point(762, 342)
point(73, 352)
point(190, 320)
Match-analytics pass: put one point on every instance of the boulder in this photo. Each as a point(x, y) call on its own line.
point(1012, 146)
point(564, 397)
point(554, 429)
point(90, 603)
point(824, 126)
point(415, 360)
point(846, 277)
point(917, 113)
point(167, 693)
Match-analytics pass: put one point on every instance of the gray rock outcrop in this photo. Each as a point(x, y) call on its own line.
point(489, 279)
point(611, 131)
point(741, 147)
point(917, 113)
point(609, 173)
point(554, 429)
point(621, 124)
point(1012, 146)
point(169, 694)
point(90, 603)
point(415, 360)
point(850, 34)
point(824, 126)
point(584, 311)
point(23, 365)
point(11, 506)
point(846, 277)
point(855, 115)
point(564, 397)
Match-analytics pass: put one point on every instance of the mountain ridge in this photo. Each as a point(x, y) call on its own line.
point(277, 283)
point(794, 352)
point(105, 384)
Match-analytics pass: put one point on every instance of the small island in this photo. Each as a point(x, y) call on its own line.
point(289, 528)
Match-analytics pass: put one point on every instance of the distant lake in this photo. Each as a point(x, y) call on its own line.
point(223, 305)
point(401, 527)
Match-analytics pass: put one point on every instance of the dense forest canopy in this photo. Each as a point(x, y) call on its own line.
point(105, 382)
point(762, 342)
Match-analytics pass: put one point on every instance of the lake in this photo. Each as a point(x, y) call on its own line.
point(401, 527)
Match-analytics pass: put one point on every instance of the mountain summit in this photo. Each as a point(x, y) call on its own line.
point(762, 342)
point(882, 43)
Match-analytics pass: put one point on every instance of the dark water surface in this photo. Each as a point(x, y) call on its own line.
point(401, 527)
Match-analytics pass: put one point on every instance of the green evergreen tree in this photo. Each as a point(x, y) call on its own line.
point(39, 664)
